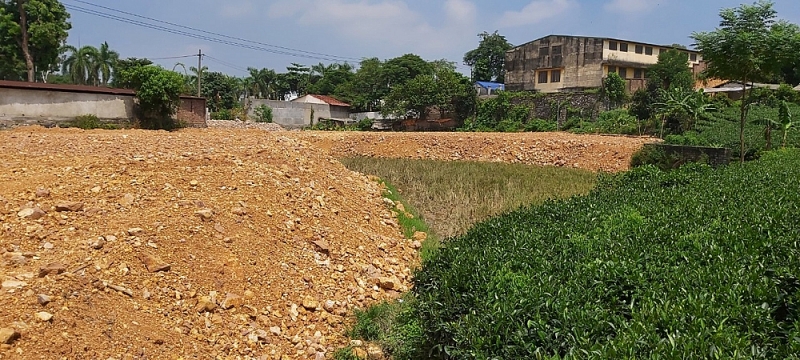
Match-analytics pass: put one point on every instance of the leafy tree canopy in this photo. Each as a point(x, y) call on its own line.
point(488, 60)
point(158, 91)
point(671, 70)
point(37, 49)
point(749, 45)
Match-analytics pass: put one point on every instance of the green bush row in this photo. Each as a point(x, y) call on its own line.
point(690, 264)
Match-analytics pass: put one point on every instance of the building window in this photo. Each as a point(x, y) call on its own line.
point(623, 73)
point(612, 69)
point(693, 57)
point(638, 73)
point(648, 50)
point(544, 51)
point(542, 77)
point(661, 51)
point(555, 76)
point(612, 45)
point(556, 50)
point(639, 49)
point(623, 47)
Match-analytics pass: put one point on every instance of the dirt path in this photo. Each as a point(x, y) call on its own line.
point(196, 244)
point(592, 152)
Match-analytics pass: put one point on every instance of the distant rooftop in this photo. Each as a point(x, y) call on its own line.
point(610, 39)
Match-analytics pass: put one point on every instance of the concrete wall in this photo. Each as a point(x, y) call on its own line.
point(580, 62)
point(51, 107)
point(293, 114)
point(46, 107)
point(583, 62)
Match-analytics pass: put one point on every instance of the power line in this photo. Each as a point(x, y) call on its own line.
point(172, 57)
point(225, 63)
point(300, 52)
point(187, 34)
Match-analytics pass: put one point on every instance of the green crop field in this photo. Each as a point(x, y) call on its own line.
point(694, 263)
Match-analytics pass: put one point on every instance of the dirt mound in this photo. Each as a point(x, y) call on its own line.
point(191, 244)
point(592, 152)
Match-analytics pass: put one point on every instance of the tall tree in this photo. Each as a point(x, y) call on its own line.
point(124, 65)
point(80, 66)
point(741, 49)
point(298, 76)
point(32, 32)
point(444, 90)
point(105, 62)
point(488, 60)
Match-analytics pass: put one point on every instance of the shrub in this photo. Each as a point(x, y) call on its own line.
point(690, 138)
point(263, 114)
point(364, 124)
point(158, 95)
point(509, 126)
point(694, 263)
point(91, 121)
point(222, 114)
point(540, 125)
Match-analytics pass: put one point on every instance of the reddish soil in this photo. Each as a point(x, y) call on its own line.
point(592, 152)
point(197, 244)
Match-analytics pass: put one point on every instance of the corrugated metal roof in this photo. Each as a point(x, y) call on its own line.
point(330, 100)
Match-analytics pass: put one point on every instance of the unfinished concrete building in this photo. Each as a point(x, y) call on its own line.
point(569, 63)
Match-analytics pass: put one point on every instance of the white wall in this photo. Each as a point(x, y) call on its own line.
point(31, 106)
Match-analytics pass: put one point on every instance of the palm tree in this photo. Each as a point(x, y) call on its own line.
point(195, 73)
point(80, 66)
point(105, 61)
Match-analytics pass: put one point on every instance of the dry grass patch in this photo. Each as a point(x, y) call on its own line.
point(451, 196)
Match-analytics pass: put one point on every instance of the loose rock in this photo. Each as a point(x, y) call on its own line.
point(69, 206)
point(231, 301)
point(43, 299)
point(31, 213)
point(205, 214)
point(154, 263)
point(44, 316)
point(52, 269)
point(8, 335)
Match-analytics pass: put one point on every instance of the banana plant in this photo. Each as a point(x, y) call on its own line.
point(785, 121)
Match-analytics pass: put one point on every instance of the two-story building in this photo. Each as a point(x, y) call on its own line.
point(566, 63)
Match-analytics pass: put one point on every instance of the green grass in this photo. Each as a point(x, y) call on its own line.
point(412, 224)
point(451, 196)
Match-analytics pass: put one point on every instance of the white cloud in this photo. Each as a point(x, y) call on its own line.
point(385, 23)
point(237, 9)
point(630, 6)
point(536, 12)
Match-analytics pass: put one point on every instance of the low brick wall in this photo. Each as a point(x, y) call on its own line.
point(715, 157)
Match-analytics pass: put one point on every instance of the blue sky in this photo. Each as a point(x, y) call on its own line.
point(386, 28)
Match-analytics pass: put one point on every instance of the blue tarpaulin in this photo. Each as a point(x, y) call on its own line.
point(493, 86)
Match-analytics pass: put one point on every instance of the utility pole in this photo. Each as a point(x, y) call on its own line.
point(199, 70)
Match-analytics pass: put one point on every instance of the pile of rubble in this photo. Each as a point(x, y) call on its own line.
point(236, 124)
point(202, 243)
